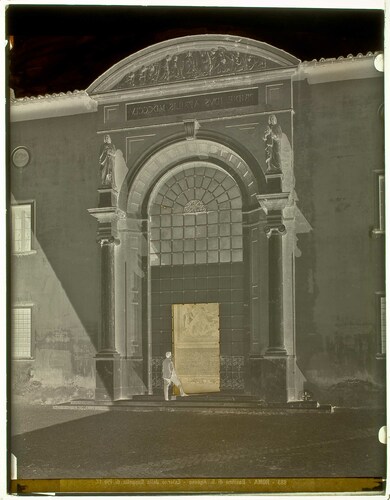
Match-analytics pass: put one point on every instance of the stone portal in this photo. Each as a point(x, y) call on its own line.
point(201, 221)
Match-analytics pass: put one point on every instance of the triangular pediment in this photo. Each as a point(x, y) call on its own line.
point(192, 58)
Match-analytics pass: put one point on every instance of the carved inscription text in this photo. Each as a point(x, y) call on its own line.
point(182, 105)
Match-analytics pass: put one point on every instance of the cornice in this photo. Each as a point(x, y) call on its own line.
point(194, 87)
point(340, 58)
point(51, 106)
point(327, 70)
point(79, 101)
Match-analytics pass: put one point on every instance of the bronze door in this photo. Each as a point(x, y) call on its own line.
point(196, 337)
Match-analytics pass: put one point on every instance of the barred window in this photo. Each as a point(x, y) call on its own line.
point(21, 227)
point(196, 218)
point(21, 332)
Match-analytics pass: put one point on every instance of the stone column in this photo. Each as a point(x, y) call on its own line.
point(108, 360)
point(107, 297)
point(273, 205)
point(274, 367)
point(275, 289)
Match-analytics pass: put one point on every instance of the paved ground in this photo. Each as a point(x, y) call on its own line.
point(52, 443)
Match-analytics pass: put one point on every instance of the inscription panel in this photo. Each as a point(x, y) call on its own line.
point(190, 104)
point(196, 346)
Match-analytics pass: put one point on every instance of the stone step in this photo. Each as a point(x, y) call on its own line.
point(193, 403)
point(198, 397)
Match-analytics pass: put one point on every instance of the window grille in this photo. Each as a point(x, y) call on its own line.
point(21, 332)
point(21, 228)
point(196, 218)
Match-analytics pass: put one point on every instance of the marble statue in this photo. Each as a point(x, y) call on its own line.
point(107, 162)
point(272, 138)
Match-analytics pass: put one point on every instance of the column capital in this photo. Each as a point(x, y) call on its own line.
point(107, 240)
point(278, 229)
point(107, 218)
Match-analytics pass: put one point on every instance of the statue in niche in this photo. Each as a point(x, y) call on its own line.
point(272, 138)
point(107, 162)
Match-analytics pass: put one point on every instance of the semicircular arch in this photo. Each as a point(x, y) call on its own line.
point(194, 186)
point(134, 197)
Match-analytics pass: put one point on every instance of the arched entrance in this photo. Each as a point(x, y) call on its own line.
point(183, 242)
point(196, 257)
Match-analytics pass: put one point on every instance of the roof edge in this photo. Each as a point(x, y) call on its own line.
point(51, 106)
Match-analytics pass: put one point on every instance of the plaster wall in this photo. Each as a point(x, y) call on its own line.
point(60, 278)
point(338, 150)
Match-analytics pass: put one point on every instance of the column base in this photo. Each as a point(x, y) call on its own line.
point(118, 378)
point(108, 377)
point(107, 354)
point(276, 351)
point(133, 377)
point(276, 378)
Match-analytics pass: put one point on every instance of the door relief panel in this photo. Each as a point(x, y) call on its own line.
point(196, 346)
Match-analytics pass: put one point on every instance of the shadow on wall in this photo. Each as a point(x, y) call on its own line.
point(62, 364)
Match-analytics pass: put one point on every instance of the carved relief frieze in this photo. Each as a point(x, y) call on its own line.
point(192, 65)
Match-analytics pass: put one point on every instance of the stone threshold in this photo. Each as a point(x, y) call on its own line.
point(195, 402)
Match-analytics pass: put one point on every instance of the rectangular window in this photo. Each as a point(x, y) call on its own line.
point(21, 224)
point(381, 202)
point(379, 228)
point(21, 332)
point(383, 324)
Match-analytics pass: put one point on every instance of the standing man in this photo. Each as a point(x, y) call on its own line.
point(170, 376)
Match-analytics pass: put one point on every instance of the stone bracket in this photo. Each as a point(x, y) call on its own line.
point(107, 218)
point(273, 202)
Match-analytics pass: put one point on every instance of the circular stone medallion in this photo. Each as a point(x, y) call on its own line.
point(20, 157)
